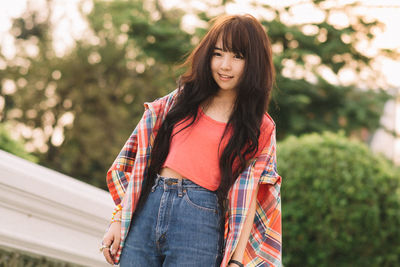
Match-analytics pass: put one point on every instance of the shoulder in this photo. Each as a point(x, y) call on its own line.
point(267, 124)
point(266, 130)
point(268, 119)
point(162, 103)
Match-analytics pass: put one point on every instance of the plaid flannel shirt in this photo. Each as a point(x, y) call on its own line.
point(125, 177)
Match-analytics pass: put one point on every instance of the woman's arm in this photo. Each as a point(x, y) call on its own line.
point(244, 235)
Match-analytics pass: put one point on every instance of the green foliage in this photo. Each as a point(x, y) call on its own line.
point(13, 146)
point(101, 87)
point(154, 36)
point(302, 104)
point(340, 203)
point(306, 107)
point(14, 258)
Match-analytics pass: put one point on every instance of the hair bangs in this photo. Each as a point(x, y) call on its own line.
point(235, 38)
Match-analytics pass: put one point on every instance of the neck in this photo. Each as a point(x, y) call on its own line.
point(220, 106)
point(225, 97)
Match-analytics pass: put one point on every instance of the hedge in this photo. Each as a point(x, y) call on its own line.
point(340, 203)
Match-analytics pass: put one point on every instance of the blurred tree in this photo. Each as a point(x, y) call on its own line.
point(156, 33)
point(307, 101)
point(16, 147)
point(81, 107)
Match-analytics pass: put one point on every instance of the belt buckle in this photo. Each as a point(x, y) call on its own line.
point(170, 182)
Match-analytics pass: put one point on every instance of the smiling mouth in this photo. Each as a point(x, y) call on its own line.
point(225, 76)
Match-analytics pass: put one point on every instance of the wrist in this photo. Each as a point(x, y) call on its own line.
point(115, 220)
point(116, 215)
point(238, 263)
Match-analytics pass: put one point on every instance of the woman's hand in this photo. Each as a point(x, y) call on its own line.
point(111, 239)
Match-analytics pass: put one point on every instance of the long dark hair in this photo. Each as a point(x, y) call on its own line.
point(243, 35)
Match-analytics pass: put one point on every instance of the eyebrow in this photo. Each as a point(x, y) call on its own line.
point(217, 48)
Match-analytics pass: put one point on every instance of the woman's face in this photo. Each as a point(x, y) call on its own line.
point(226, 67)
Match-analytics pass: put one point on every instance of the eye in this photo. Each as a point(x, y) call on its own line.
point(238, 56)
point(216, 54)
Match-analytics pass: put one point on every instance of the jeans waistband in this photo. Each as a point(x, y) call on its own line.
point(170, 183)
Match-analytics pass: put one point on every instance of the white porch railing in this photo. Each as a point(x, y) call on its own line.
point(48, 213)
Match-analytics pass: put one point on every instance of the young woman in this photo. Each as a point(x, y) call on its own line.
point(196, 183)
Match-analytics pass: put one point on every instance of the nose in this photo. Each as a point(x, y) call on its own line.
point(226, 63)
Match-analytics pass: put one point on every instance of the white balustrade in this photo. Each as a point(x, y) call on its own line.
point(48, 213)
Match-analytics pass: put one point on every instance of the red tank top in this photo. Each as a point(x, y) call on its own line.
point(194, 152)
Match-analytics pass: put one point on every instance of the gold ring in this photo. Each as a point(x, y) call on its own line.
point(103, 247)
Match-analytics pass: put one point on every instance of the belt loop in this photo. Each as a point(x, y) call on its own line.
point(155, 183)
point(180, 187)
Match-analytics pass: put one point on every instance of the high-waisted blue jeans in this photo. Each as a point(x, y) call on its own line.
point(179, 226)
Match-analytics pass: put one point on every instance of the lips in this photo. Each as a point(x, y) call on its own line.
point(225, 77)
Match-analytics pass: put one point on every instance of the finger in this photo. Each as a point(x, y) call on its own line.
point(108, 256)
point(115, 245)
point(106, 251)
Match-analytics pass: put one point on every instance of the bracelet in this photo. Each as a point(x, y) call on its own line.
point(236, 262)
point(115, 220)
point(116, 210)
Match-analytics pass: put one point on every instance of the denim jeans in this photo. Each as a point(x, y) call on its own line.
point(179, 226)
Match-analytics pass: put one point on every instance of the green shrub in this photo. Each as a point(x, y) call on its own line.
point(340, 203)
point(13, 146)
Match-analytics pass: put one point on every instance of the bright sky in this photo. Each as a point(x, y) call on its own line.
point(67, 17)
